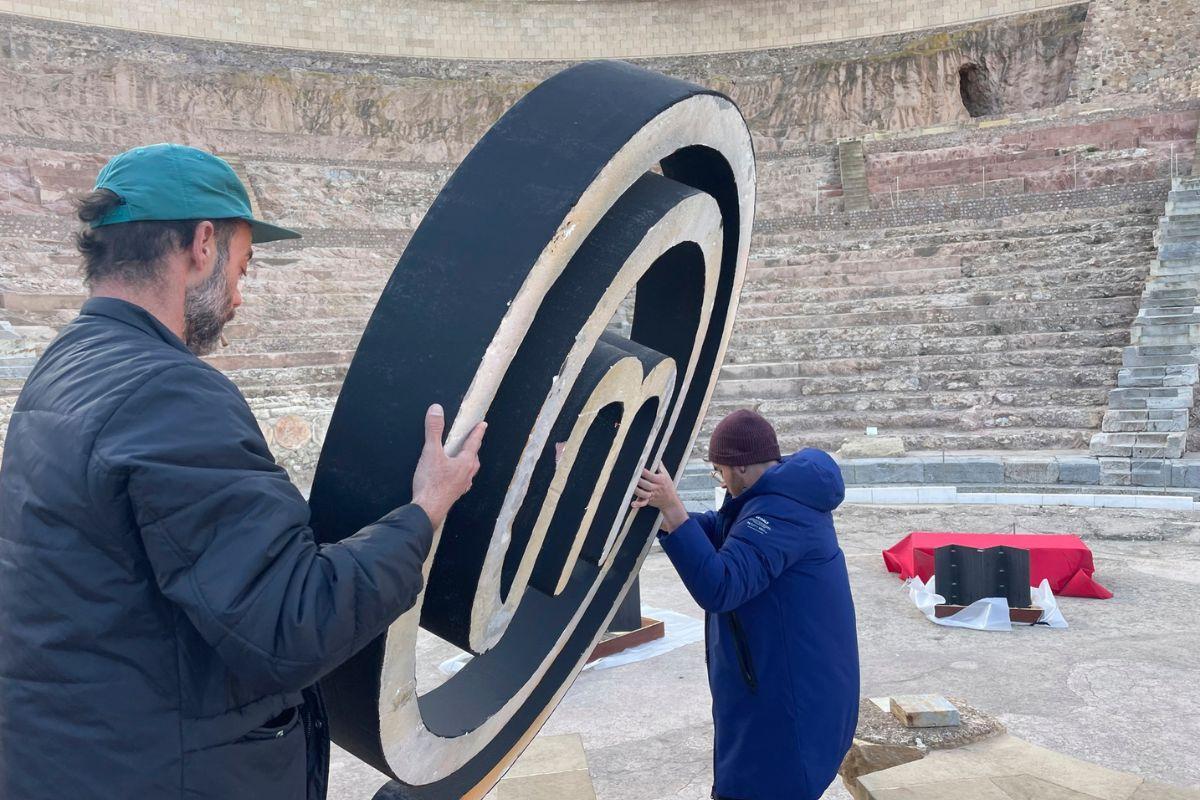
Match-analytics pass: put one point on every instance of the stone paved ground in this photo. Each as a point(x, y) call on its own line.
point(1117, 688)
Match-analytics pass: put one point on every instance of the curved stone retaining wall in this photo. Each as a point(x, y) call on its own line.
point(533, 29)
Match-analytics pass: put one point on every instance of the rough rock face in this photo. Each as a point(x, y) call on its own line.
point(1021, 63)
point(1140, 50)
point(124, 87)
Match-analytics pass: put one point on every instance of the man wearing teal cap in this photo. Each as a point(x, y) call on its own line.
point(164, 609)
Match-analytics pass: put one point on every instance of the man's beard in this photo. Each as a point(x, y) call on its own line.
point(207, 307)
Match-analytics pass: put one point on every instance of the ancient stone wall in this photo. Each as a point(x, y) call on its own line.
point(980, 301)
point(129, 87)
point(1139, 50)
point(532, 29)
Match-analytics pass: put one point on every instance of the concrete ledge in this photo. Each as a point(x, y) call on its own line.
point(1028, 479)
point(1024, 470)
point(925, 495)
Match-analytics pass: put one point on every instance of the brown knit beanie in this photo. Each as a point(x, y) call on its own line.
point(741, 439)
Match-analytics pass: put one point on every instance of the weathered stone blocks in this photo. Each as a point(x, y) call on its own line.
point(965, 471)
point(1078, 470)
point(1150, 398)
point(1031, 470)
point(882, 742)
point(924, 711)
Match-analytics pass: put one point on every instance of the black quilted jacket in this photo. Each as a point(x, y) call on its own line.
point(163, 605)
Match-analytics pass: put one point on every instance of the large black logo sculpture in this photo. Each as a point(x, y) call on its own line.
point(603, 180)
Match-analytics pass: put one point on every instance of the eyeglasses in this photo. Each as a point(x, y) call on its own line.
point(716, 473)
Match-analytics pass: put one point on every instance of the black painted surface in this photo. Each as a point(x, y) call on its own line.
point(967, 574)
point(434, 320)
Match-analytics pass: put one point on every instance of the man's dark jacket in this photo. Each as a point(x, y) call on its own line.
point(782, 648)
point(163, 605)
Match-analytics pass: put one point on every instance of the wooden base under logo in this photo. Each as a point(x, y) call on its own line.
point(617, 641)
point(1028, 616)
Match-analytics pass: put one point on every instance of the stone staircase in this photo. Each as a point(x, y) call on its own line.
point(1149, 411)
point(853, 164)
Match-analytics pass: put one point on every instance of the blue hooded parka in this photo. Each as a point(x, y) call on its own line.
point(782, 650)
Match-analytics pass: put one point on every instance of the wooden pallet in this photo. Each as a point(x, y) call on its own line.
point(615, 642)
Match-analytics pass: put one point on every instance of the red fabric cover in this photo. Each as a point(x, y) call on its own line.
point(1063, 559)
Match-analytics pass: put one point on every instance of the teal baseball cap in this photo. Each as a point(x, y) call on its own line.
point(163, 182)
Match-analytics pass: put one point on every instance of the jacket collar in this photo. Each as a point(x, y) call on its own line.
point(133, 315)
point(733, 505)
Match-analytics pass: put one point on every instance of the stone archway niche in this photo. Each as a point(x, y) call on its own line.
point(978, 90)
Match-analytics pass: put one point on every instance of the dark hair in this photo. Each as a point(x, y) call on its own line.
point(132, 252)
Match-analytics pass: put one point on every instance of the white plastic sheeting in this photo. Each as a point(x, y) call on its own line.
point(988, 614)
point(679, 630)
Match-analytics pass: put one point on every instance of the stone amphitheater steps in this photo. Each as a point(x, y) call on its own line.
point(799, 337)
point(1095, 221)
point(934, 256)
point(847, 422)
point(879, 403)
point(924, 364)
point(768, 388)
point(980, 305)
point(1003, 334)
point(968, 236)
point(269, 394)
point(1109, 281)
point(1148, 415)
point(874, 347)
point(285, 379)
point(309, 312)
point(246, 329)
point(796, 434)
point(312, 339)
point(308, 306)
point(964, 334)
point(1127, 306)
point(44, 282)
point(1159, 355)
point(240, 362)
point(966, 243)
point(853, 169)
point(793, 275)
point(771, 239)
point(880, 271)
point(963, 372)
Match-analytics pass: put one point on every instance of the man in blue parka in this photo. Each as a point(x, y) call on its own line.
point(782, 650)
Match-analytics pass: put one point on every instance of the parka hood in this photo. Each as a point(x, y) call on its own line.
point(810, 477)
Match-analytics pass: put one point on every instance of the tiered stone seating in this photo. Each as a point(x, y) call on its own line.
point(970, 334)
point(800, 180)
point(1080, 154)
point(306, 302)
point(289, 345)
point(994, 327)
point(1000, 334)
